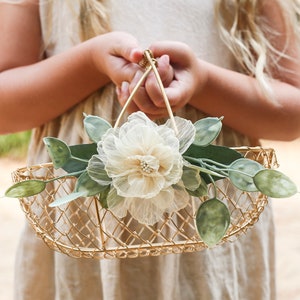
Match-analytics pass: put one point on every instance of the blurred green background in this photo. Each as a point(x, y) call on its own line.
point(14, 145)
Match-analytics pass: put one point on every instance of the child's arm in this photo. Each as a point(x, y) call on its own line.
point(34, 91)
point(238, 97)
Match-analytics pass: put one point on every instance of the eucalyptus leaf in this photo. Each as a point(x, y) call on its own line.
point(191, 177)
point(95, 127)
point(212, 220)
point(202, 190)
point(275, 184)
point(207, 130)
point(240, 180)
point(83, 151)
point(96, 170)
point(103, 196)
point(26, 188)
point(58, 150)
point(87, 185)
point(220, 154)
point(68, 198)
point(80, 153)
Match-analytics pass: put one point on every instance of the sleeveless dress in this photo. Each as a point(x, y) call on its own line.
point(242, 270)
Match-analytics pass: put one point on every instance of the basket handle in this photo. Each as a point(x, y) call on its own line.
point(149, 63)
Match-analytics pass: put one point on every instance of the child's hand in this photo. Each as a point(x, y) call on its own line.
point(116, 55)
point(178, 69)
point(185, 81)
point(143, 99)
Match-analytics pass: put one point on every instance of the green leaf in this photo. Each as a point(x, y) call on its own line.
point(58, 150)
point(87, 185)
point(242, 181)
point(96, 170)
point(114, 199)
point(26, 188)
point(83, 152)
point(275, 184)
point(202, 190)
point(219, 154)
point(207, 130)
point(191, 176)
point(213, 220)
point(66, 199)
point(103, 196)
point(95, 127)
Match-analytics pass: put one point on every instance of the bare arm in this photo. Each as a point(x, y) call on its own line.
point(237, 97)
point(34, 91)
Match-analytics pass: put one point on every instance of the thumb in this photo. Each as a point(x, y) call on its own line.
point(132, 52)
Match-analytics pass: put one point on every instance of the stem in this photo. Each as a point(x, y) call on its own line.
point(214, 185)
point(213, 167)
point(80, 159)
point(64, 176)
point(207, 168)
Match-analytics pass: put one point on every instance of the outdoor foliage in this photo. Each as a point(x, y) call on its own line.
point(14, 145)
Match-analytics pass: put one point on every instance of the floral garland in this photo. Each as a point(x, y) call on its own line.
point(148, 170)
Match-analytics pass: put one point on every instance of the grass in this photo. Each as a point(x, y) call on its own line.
point(14, 145)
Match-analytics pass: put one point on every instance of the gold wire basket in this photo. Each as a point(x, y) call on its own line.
point(83, 228)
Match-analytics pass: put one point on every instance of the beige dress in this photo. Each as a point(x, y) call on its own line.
point(242, 270)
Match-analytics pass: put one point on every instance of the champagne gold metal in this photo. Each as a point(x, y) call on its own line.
point(83, 228)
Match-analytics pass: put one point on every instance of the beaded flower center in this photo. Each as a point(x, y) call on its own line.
point(146, 168)
point(148, 164)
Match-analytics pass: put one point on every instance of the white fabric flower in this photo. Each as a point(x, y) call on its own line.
point(144, 161)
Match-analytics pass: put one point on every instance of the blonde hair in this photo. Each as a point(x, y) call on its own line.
point(249, 36)
point(93, 18)
point(242, 28)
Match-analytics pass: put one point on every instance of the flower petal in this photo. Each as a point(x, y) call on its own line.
point(138, 185)
point(141, 118)
point(144, 210)
point(97, 172)
point(180, 200)
point(186, 132)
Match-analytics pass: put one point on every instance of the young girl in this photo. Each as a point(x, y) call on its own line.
point(237, 58)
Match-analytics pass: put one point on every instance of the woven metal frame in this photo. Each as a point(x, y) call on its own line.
point(83, 228)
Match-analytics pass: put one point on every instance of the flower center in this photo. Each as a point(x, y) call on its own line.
point(149, 164)
point(146, 168)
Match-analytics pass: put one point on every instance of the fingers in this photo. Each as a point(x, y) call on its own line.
point(166, 73)
point(177, 51)
point(132, 52)
point(141, 101)
point(174, 76)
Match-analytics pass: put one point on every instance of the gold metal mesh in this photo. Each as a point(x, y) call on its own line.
point(83, 228)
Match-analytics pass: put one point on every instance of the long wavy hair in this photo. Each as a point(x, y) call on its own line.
point(249, 36)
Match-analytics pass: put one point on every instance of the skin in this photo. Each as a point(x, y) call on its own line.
point(34, 91)
point(237, 97)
